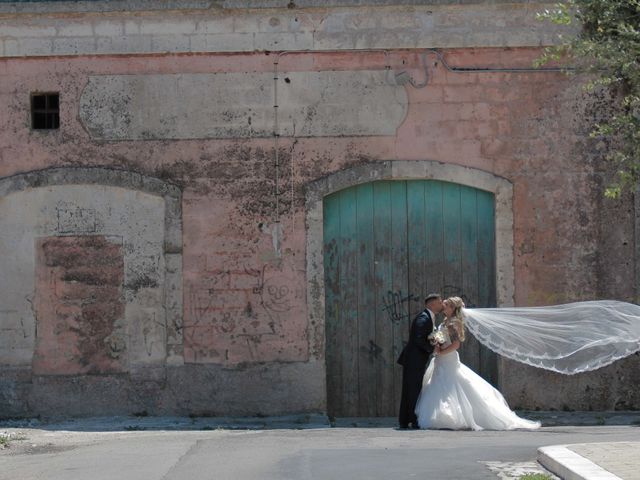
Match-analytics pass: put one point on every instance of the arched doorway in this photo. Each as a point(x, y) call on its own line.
point(92, 278)
point(398, 170)
point(387, 244)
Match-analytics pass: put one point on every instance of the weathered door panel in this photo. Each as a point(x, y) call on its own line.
point(388, 244)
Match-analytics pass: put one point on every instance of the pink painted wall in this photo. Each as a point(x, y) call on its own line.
point(245, 304)
point(517, 125)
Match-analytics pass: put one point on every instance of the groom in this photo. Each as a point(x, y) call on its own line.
point(414, 358)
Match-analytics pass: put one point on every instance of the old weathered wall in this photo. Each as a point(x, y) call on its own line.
point(201, 26)
point(220, 323)
point(597, 260)
point(48, 231)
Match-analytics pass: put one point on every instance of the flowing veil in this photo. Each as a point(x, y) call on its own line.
point(571, 338)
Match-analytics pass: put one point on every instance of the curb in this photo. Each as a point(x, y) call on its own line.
point(568, 465)
point(122, 423)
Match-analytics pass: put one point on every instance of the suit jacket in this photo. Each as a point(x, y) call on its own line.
point(416, 352)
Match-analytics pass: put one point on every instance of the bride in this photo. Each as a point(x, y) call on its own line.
point(452, 395)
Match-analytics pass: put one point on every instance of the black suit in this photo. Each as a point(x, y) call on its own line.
point(414, 358)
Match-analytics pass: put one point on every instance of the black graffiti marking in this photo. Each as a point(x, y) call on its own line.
point(397, 306)
point(374, 350)
point(375, 354)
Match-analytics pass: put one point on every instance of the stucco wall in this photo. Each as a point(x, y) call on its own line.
point(203, 28)
point(241, 105)
point(242, 331)
point(32, 221)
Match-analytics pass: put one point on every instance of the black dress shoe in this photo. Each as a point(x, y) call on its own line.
point(403, 426)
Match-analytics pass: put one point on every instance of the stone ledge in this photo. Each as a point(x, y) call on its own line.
point(45, 7)
point(398, 27)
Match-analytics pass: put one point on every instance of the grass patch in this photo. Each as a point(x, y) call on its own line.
point(7, 438)
point(535, 476)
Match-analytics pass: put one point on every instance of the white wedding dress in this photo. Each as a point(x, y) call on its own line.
point(454, 397)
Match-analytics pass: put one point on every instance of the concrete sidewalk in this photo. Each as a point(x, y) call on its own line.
point(593, 461)
point(612, 457)
point(583, 461)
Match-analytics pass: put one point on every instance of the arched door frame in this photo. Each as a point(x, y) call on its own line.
point(172, 196)
point(401, 170)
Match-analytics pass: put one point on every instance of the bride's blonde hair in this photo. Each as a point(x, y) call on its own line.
point(458, 305)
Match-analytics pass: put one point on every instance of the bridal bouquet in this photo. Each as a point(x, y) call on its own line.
point(436, 338)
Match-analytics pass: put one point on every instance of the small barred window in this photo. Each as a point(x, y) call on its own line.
point(45, 111)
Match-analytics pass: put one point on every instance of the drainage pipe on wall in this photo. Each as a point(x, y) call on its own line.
point(276, 128)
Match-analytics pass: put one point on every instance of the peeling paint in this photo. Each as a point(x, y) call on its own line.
point(197, 214)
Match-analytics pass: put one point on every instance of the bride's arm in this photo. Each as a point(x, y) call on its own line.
point(455, 345)
point(454, 336)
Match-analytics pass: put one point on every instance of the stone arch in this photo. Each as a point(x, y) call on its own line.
point(402, 170)
point(71, 205)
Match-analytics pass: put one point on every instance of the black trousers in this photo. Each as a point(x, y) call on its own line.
point(411, 385)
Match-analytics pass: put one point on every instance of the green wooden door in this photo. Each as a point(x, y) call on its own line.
point(386, 245)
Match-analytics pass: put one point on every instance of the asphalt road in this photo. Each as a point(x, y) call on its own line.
point(300, 454)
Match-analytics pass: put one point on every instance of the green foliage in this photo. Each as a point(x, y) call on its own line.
point(7, 438)
point(607, 46)
point(535, 476)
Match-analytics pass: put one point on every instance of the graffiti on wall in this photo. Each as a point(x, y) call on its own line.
point(74, 219)
point(251, 314)
point(397, 305)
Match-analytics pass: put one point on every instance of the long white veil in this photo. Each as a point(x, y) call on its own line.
point(569, 339)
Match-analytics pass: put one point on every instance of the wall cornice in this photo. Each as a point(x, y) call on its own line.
point(33, 29)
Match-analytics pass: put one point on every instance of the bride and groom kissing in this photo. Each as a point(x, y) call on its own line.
point(447, 394)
